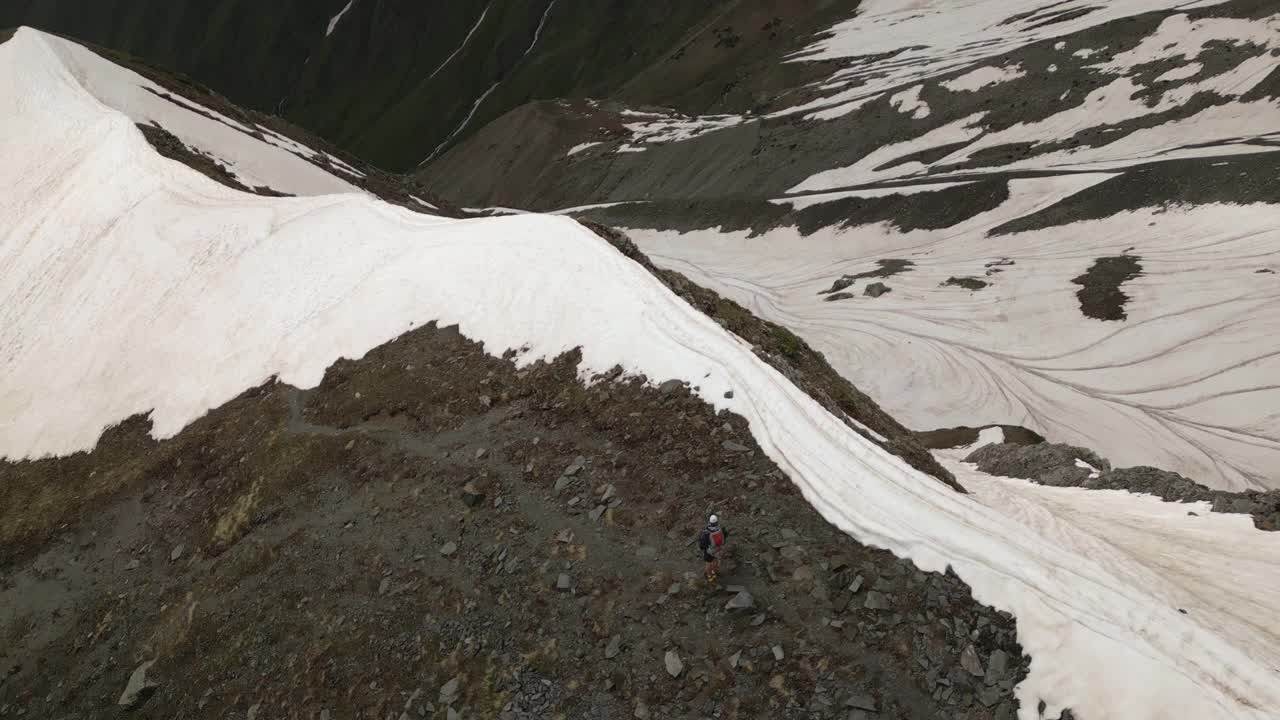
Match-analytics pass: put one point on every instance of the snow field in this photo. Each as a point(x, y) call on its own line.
point(1185, 384)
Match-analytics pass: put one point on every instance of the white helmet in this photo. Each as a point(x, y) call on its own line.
point(714, 520)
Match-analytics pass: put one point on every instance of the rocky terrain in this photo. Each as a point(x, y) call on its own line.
point(1066, 466)
point(431, 533)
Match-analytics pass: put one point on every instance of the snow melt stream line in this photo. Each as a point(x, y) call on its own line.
point(538, 33)
point(465, 40)
point(476, 106)
point(333, 22)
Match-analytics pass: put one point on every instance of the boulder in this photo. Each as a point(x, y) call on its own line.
point(673, 664)
point(970, 662)
point(741, 601)
point(139, 688)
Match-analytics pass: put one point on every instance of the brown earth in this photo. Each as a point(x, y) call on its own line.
point(347, 551)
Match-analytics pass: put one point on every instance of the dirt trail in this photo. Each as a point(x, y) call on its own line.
point(354, 548)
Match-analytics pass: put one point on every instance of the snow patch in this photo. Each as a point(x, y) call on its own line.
point(985, 77)
point(801, 202)
point(579, 148)
point(989, 436)
point(854, 421)
point(908, 102)
point(333, 22)
point(1093, 471)
point(1181, 73)
point(674, 128)
point(1179, 37)
point(932, 38)
point(865, 170)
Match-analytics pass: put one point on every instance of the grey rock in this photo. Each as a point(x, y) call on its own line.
point(857, 583)
point(997, 667)
point(876, 601)
point(576, 466)
point(734, 659)
point(134, 564)
point(990, 696)
point(449, 691)
point(671, 386)
point(471, 497)
point(452, 714)
point(876, 289)
point(673, 664)
point(970, 662)
point(741, 601)
point(562, 482)
point(253, 711)
point(597, 513)
point(613, 648)
point(448, 549)
point(732, 446)
point(139, 688)
point(564, 583)
point(481, 452)
point(384, 586)
point(758, 620)
point(778, 654)
point(860, 701)
point(177, 553)
point(609, 492)
point(642, 711)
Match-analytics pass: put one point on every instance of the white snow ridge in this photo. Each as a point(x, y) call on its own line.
point(130, 283)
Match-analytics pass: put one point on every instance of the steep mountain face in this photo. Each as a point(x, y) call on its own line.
point(397, 82)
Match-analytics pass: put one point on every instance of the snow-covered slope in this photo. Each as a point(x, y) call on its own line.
point(1083, 131)
point(1186, 382)
point(256, 156)
point(129, 283)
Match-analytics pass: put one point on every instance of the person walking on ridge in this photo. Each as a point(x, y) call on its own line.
point(711, 541)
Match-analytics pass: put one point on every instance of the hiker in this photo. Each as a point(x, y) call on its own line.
point(711, 542)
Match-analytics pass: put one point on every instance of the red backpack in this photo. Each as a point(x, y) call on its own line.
point(717, 541)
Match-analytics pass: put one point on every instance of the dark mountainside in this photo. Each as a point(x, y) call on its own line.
point(398, 79)
point(765, 156)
